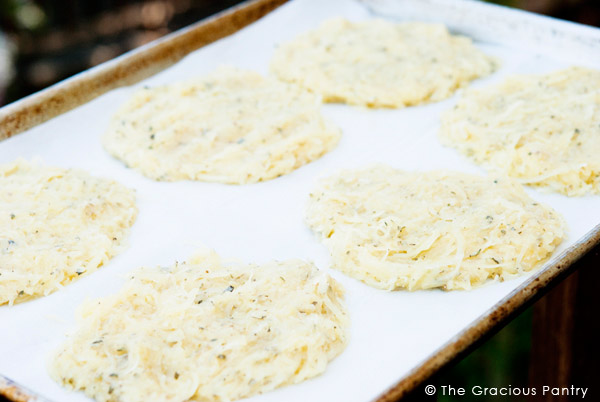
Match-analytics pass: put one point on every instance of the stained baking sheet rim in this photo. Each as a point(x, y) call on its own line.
point(43, 106)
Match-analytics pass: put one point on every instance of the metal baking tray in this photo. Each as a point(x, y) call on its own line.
point(398, 339)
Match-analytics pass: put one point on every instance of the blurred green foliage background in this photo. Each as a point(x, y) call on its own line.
point(502, 361)
point(49, 40)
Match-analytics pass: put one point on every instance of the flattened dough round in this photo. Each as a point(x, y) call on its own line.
point(378, 63)
point(205, 330)
point(399, 230)
point(57, 224)
point(230, 126)
point(543, 130)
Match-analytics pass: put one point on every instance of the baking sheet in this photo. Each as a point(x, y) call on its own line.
point(391, 333)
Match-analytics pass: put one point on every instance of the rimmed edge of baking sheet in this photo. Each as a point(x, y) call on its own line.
point(528, 292)
point(158, 55)
point(16, 392)
point(129, 68)
point(495, 23)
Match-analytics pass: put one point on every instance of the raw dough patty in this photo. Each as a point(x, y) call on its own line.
point(543, 130)
point(399, 230)
point(57, 224)
point(231, 126)
point(380, 64)
point(205, 330)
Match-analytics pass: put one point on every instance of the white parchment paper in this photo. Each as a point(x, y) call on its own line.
point(392, 332)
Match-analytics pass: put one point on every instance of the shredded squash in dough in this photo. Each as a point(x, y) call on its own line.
point(543, 130)
point(205, 330)
point(57, 225)
point(230, 126)
point(399, 230)
point(378, 63)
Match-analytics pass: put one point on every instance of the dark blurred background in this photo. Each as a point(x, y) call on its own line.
point(45, 41)
point(51, 40)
